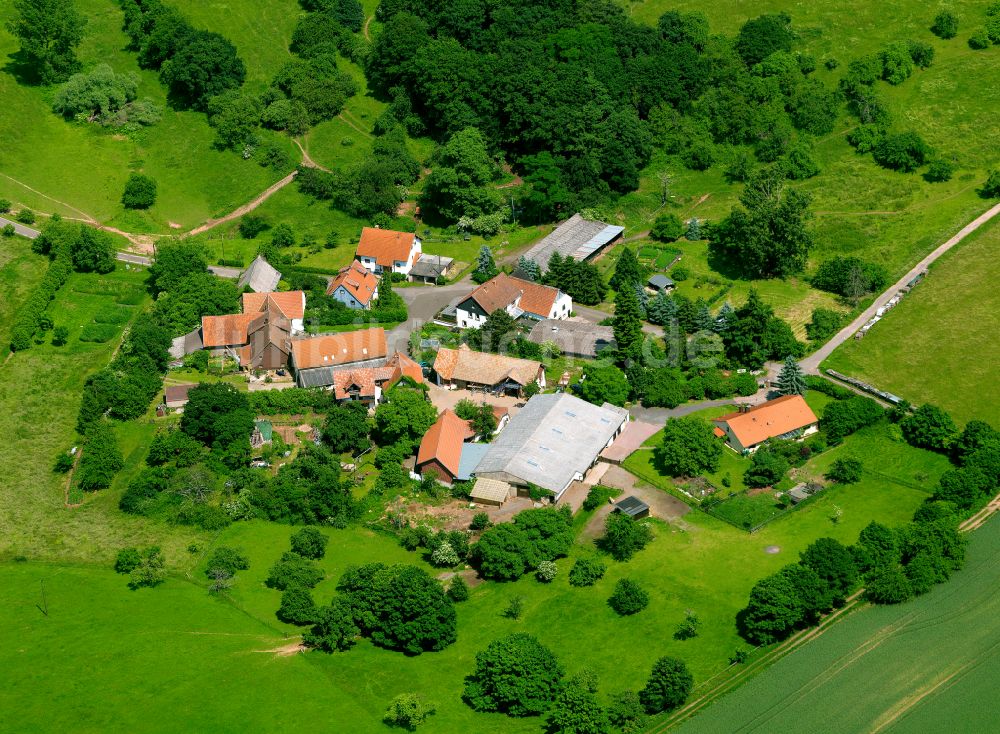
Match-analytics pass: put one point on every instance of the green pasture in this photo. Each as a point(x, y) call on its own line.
point(939, 344)
point(928, 665)
point(20, 271)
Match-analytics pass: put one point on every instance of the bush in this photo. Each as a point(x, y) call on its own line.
point(624, 536)
point(8, 230)
point(63, 463)
point(668, 686)
point(546, 571)
point(766, 469)
point(297, 606)
point(939, 170)
point(597, 496)
point(991, 187)
point(458, 590)
point(127, 560)
point(5, 206)
point(151, 570)
point(846, 416)
point(140, 192)
point(252, 225)
point(25, 216)
point(904, 152)
point(98, 333)
point(845, 471)
point(309, 543)
point(667, 228)
point(516, 675)
point(945, 25)
point(586, 572)
point(628, 598)
point(293, 570)
point(407, 711)
point(824, 324)
point(979, 40)
point(101, 459)
point(227, 559)
point(480, 521)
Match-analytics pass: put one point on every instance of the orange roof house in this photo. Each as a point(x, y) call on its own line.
point(291, 304)
point(337, 349)
point(259, 340)
point(441, 447)
point(366, 384)
point(355, 286)
point(385, 249)
point(516, 296)
point(786, 417)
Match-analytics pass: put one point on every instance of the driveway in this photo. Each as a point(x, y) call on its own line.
point(423, 302)
point(661, 505)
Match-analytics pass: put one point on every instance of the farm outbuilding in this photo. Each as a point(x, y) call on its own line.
point(491, 492)
point(633, 507)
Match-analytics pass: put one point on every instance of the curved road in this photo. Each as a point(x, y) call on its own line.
point(810, 364)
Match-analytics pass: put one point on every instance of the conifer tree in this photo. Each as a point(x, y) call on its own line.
point(724, 319)
point(704, 321)
point(627, 324)
point(627, 271)
point(791, 381)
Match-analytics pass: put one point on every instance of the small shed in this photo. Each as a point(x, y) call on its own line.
point(262, 434)
point(798, 493)
point(176, 396)
point(660, 282)
point(633, 507)
point(491, 492)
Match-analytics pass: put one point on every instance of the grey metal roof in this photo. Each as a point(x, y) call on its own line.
point(577, 237)
point(431, 266)
point(632, 506)
point(574, 337)
point(323, 376)
point(551, 440)
point(260, 276)
point(660, 281)
point(472, 454)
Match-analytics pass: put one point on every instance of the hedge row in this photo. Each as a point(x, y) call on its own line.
point(26, 323)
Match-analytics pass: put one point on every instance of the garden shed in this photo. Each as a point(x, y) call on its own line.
point(633, 507)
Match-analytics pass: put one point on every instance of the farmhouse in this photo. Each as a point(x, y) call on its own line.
point(786, 417)
point(290, 304)
point(355, 286)
point(552, 442)
point(574, 337)
point(440, 451)
point(660, 282)
point(496, 373)
point(368, 384)
point(260, 276)
point(382, 250)
point(256, 340)
point(315, 359)
point(577, 238)
point(518, 297)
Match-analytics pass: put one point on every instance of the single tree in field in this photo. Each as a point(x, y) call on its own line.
point(516, 675)
point(668, 686)
point(576, 708)
point(408, 711)
point(486, 266)
point(791, 381)
point(48, 30)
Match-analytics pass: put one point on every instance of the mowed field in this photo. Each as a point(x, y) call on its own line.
point(940, 344)
point(930, 665)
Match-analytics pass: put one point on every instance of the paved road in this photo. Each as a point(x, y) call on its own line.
point(811, 363)
point(20, 228)
point(423, 303)
point(222, 272)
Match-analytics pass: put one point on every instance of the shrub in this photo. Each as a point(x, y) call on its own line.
point(546, 571)
point(458, 590)
point(297, 606)
point(151, 570)
point(901, 152)
point(407, 711)
point(624, 536)
point(293, 570)
point(991, 187)
point(63, 463)
point(586, 572)
point(101, 459)
point(480, 521)
point(824, 324)
point(939, 170)
point(628, 598)
point(667, 228)
point(8, 230)
point(227, 559)
point(309, 543)
point(688, 629)
point(516, 675)
point(979, 40)
point(845, 471)
point(445, 555)
point(140, 192)
point(945, 25)
point(514, 608)
point(4, 206)
point(766, 469)
point(127, 560)
point(252, 225)
point(668, 686)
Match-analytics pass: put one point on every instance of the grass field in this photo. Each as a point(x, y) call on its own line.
point(928, 665)
point(939, 344)
point(39, 397)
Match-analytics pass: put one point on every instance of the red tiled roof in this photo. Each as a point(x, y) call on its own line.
point(502, 290)
point(363, 379)
point(176, 393)
point(385, 245)
point(291, 304)
point(336, 349)
point(443, 441)
point(223, 331)
point(767, 420)
point(357, 280)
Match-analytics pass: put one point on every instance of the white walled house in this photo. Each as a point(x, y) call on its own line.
point(385, 250)
point(518, 297)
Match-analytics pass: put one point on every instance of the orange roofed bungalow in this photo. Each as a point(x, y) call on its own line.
point(290, 304)
point(786, 417)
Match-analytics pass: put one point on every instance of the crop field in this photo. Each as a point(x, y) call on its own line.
point(928, 665)
point(939, 344)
